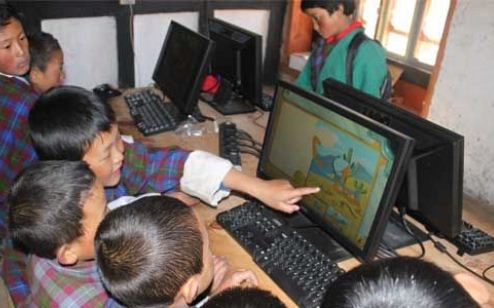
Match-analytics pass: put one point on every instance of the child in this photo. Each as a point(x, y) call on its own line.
point(16, 152)
point(16, 98)
point(155, 251)
point(54, 210)
point(398, 282)
point(332, 19)
point(74, 124)
point(46, 62)
point(239, 297)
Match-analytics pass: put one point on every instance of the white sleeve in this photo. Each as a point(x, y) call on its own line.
point(203, 177)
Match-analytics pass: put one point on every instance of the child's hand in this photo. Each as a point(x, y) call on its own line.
point(281, 195)
point(277, 194)
point(220, 268)
point(244, 278)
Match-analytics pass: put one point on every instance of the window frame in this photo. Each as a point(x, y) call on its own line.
point(409, 58)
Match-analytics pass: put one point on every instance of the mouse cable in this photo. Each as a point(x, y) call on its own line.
point(439, 246)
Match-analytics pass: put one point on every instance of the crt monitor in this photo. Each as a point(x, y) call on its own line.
point(237, 58)
point(182, 65)
point(357, 162)
point(432, 191)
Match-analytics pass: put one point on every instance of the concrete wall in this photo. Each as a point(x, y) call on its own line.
point(463, 99)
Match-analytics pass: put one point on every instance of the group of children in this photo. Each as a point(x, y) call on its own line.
point(63, 159)
point(72, 124)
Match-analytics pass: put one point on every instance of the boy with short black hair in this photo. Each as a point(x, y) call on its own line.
point(333, 20)
point(240, 297)
point(73, 123)
point(16, 152)
point(46, 62)
point(405, 282)
point(16, 99)
point(54, 210)
point(155, 251)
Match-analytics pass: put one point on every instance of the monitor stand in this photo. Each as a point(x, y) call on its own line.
point(395, 236)
point(234, 104)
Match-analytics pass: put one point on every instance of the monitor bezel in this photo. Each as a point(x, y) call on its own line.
point(189, 105)
point(429, 214)
point(404, 149)
point(256, 41)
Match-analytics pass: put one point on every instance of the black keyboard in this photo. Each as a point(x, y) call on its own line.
point(473, 241)
point(228, 143)
point(302, 270)
point(151, 114)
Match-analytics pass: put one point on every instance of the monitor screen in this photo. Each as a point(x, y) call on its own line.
point(357, 162)
point(433, 188)
point(182, 65)
point(238, 58)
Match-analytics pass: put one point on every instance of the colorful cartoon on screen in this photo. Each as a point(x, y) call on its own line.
point(351, 169)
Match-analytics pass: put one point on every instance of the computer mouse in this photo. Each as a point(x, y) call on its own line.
point(106, 91)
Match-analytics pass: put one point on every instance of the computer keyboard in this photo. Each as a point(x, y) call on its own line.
point(151, 114)
point(473, 241)
point(302, 270)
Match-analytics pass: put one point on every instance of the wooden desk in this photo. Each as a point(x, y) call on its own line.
point(223, 244)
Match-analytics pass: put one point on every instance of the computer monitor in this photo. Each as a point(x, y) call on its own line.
point(182, 66)
point(357, 162)
point(238, 59)
point(432, 191)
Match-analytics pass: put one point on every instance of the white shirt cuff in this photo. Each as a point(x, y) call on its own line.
point(124, 200)
point(203, 177)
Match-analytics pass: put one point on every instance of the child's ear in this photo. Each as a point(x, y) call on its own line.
point(34, 74)
point(189, 290)
point(66, 255)
point(474, 287)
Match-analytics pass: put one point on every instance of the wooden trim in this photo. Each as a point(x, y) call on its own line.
point(298, 32)
point(439, 60)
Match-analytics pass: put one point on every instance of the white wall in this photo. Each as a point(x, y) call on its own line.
point(90, 49)
point(463, 99)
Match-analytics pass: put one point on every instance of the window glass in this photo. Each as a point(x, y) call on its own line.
point(397, 26)
point(431, 31)
point(369, 14)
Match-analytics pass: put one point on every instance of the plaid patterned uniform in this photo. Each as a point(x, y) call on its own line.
point(54, 285)
point(144, 171)
point(16, 152)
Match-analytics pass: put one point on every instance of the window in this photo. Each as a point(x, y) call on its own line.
point(410, 30)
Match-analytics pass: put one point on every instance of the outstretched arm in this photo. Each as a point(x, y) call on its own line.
point(277, 194)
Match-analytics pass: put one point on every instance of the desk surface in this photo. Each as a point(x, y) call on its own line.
point(223, 244)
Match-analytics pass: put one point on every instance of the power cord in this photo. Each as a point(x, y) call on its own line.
point(484, 274)
point(412, 234)
point(439, 246)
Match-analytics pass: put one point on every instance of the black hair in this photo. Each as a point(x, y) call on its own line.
point(42, 46)
point(239, 297)
point(45, 205)
point(330, 5)
point(7, 12)
point(402, 282)
point(147, 250)
point(65, 121)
